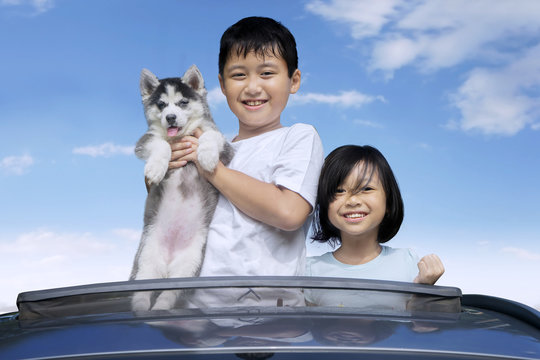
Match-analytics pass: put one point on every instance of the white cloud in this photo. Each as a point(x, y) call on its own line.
point(105, 150)
point(501, 101)
point(436, 33)
point(501, 95)
point(46, 258)
point(367, 123)
point(365, 17)
point(350, 98)
point(16, 165)
point(44, 243)
point(215, 97)
point(37, 6)
point(423, 146)
point(129, 234)
point(522, 253)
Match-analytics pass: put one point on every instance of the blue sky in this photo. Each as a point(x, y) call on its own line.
point(449, 91)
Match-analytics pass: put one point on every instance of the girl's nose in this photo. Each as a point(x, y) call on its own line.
point(354, 199)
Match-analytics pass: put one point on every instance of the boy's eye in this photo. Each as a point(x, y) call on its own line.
point(238, 75)
point(267, 73)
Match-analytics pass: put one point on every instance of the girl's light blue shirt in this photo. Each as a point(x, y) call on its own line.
point(391, 264)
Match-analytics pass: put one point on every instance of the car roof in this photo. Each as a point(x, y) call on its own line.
point(439, 322)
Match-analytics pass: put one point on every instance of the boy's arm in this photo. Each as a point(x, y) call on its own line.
point(430, 269)
point(271, 204)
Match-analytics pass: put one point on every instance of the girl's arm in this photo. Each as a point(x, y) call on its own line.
point(430, 269)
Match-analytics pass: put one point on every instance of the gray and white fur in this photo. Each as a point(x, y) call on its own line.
point(180, 202)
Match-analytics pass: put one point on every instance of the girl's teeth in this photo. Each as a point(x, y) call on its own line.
point(355, 215)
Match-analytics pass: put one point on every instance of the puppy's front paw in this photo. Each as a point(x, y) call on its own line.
point(166, 300)
point(140, 302)
point(208, 151)
point(155, 170)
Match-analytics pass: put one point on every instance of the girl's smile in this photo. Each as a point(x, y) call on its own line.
point(355, 216)
point(359, 207)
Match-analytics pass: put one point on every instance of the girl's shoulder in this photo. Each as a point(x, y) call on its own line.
point(314, 264)
point(404, 254)
point(326, 257)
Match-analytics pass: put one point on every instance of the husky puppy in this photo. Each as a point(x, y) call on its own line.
point(180, 202)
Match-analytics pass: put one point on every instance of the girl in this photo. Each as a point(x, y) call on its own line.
point(359, 207)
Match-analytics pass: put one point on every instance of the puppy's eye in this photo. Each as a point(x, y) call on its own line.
point(183, 102)
point(161, 104)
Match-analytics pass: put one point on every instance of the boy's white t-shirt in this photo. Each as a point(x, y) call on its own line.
point(238, 245)
point(391, 264)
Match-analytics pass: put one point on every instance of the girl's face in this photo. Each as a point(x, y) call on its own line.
point(357, 211)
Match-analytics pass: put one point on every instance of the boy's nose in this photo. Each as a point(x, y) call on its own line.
point(253, 86)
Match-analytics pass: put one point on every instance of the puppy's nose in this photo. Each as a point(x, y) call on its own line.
point(171, 119)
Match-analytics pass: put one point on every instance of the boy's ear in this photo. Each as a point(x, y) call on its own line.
point(149, 82)
point(221, 84)
point(295, 81)
point(194, 79)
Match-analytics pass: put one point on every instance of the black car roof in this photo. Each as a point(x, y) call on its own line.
point(96, 321)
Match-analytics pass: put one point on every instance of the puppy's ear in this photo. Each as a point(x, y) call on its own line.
point(194, 79)
point(149, 83)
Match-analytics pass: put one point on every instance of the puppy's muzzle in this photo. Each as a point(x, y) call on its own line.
point(171, 119)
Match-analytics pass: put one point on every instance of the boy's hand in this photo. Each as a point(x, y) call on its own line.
point(430, 269)
point(184, 150)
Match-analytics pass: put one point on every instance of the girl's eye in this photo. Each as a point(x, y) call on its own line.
point(340, 191)
point(367, 189)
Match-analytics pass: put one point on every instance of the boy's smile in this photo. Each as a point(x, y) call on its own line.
point(257, 89)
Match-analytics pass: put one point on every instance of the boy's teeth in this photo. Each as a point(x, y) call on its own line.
point(254, 103)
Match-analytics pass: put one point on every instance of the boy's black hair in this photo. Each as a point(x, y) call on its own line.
point(262, 35)
point(337, 166)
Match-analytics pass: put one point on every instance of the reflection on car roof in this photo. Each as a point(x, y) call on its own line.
point(353, 319)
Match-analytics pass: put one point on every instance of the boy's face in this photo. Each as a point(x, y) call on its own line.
point(257, 89)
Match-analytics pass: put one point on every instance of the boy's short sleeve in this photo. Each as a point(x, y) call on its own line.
point(298, 164)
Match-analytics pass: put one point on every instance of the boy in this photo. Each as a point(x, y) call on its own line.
point(269, 188)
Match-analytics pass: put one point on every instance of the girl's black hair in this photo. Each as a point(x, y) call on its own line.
point(262, 35)
point(337, 166)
